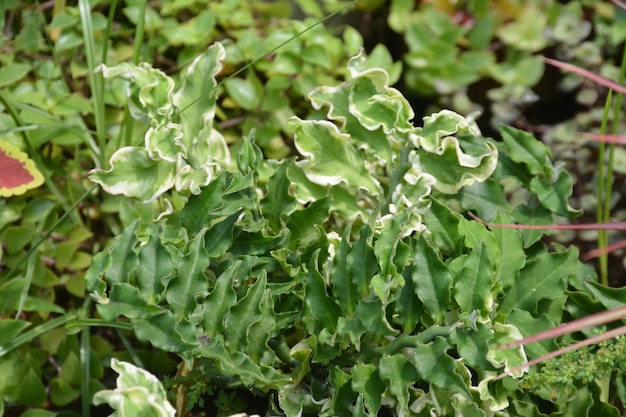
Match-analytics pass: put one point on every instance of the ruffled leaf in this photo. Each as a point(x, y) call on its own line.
point(18, 173)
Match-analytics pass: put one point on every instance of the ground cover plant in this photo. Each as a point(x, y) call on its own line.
point(184, 234)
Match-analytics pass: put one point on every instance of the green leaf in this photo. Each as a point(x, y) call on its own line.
point(12, 73)
point(407, 304)
point(198, 211)
point(524, 148)
point(400, 374)
point(219, 301)
point(164, 332)
point(542, 278)
point(366, 381)
point(191, 281)
point(472, 286)
point(247, 93)
point(127, 300)
point(219, 238)
point(435, 366)
point(431, 279)
point(527, 31)
point(155, 265)
point(32, 391)
point(278, 203)
point(512, 256)
point(260, 332)
point(331, 158)
point(343, 287)
point(243, 315)
point(320, 312)
point(10, 328)
point(61, 393)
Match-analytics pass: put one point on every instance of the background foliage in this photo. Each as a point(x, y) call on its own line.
point(290, 232)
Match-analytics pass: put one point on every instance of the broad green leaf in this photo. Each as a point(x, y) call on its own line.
point(553, 195)
point(366, 381)
point(61, 393)
point(485, 198)
point(9, 329)
point(431, 280)
point(399, 374)
point(331, 158)
point(473, 345)
point(472, 287)
point(10, 294)
point(247, 93)
point(435, 366)
point(243, 315)
point(32, 391)
point(361, 262)
point(12, 73)
point(239, 365)
point(301, 223)
point(542, 278)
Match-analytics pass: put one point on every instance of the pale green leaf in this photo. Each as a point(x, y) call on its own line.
point(150, 90)
point(331, 158)
point(134, 174)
